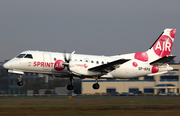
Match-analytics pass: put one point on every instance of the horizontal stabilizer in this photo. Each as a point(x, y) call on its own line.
point(152, 74)
point(163, 60)
point(109, 66)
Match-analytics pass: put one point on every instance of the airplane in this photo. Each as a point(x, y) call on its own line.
point(148, 63)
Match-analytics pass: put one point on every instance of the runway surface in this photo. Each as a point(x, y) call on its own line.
point(91, 105)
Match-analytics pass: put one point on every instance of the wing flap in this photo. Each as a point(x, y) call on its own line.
point(163, 60)
point(109, 66)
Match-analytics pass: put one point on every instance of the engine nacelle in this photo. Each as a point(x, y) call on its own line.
point(81, 68)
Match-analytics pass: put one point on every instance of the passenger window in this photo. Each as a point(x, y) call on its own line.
point(92, 61)
point(54, 59)
point(97, 62)
point(81, 60)
point(102, 62)
point(28, 56)
point(20, 55)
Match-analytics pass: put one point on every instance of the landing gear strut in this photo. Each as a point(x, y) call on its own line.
point(70, 86)
point(20, 82)
point(96, 85)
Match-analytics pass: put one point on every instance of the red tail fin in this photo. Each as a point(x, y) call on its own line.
point(163, 45)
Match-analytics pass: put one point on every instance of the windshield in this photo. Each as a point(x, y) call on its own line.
point(28, 56)
point(20, 55)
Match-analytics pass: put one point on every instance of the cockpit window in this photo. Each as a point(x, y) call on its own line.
point(28, 56)
point(20, 55)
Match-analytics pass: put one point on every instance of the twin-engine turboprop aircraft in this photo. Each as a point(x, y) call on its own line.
point(151, 62)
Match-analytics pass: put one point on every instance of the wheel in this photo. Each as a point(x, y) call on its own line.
point(96, 86)
point(20, 83)
point(70, 87)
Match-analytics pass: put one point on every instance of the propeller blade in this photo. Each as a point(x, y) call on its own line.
point(73, 52)
point(70, 55)
point(65, 58)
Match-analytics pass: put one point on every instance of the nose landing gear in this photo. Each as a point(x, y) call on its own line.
point(20, 82)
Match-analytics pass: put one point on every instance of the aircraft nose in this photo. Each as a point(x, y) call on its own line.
point(7, 65)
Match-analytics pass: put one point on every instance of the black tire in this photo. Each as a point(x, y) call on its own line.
point(20, 83)
point(96, 86)
point(70, 87)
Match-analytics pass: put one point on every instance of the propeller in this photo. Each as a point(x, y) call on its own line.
point(67, 60)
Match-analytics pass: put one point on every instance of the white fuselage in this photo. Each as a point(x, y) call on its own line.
point(51, 63)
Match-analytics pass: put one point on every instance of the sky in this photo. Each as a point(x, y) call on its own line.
point(97, 27)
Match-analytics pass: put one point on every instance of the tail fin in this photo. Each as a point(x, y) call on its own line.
point(163, 45)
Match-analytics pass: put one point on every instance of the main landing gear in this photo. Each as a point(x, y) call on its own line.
point(96, 85)
point(20, 82)
point(70, 86)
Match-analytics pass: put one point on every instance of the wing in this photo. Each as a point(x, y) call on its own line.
point(106, 68)
point(163, 60)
